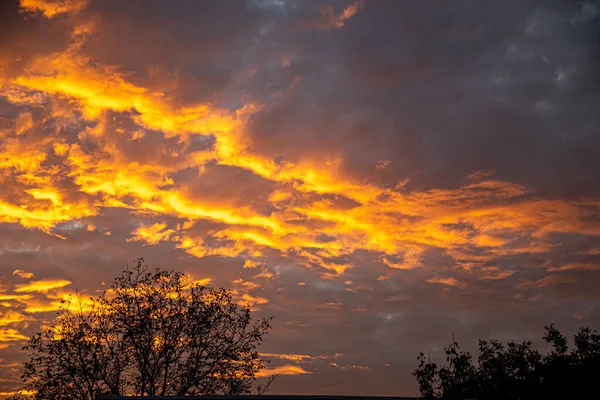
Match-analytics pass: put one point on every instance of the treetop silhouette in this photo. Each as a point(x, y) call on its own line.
point(515, 370)
point(152, 333)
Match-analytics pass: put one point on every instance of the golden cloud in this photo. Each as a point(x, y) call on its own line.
point(152, 234)
point(23, 274)
point(288, 369)
point(398, 224)
point(448, 282)
point(51, 8)
point(11, 317)
point(10, 335)
point(293, 357)
point(41, 286)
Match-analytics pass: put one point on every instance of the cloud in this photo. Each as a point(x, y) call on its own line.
point(576, 266)
point(17, 392)
point(52, 8)
point(288, 369)
point(349, 367)
point(448, 282)
point(152, 234)
point(330, 20)
point(293, 357)
point(371, 224)
point(12, 317)
point(41, 286)
point(349, 12)
point(252, 300)
point(202, 282)
point(23, 274)
point(548, 281)
point(11, 334)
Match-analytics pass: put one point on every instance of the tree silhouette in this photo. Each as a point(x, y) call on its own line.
point(152, 333)
point(515, 370)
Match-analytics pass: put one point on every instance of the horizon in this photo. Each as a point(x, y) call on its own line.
point(379, 176)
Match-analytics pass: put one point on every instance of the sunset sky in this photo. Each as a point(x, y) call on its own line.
point(376, 175)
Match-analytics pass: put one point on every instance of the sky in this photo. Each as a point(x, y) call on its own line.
point(376, 175)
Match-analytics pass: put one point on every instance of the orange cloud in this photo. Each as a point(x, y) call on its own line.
point(22, 297)
point(203, 281)
point(576, 267)
point(23, 274)
point(293, 357)
point(11, 317)
point(398, 224)
point(152, 234)
point(18, 392)
point(252, 300)
point(41, 286)
point(51, 8)
point(330, 20)
point(349, 12)
point(23, 123)
point(288, 369)
point(550, 280)
point(10, 335)
point(448, 282)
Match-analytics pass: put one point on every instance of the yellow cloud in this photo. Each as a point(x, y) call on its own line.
point(11, 334)
point(41, 286)
point(40, 304)
point(397, 224)
point(152, 234)
point(11, 317)
point(18, 297)
point(252, 300)
point(202, 282)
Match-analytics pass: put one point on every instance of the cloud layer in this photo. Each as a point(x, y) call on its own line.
point(376, 175)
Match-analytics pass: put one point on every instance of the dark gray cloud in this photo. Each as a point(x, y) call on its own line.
point(444, 91)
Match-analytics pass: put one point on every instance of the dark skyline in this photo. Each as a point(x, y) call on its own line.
point(374, 174)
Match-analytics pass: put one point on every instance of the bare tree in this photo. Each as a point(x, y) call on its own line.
point(152, 333)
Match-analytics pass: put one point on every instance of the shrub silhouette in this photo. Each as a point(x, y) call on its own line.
point(152, 333)
point(515, 370)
